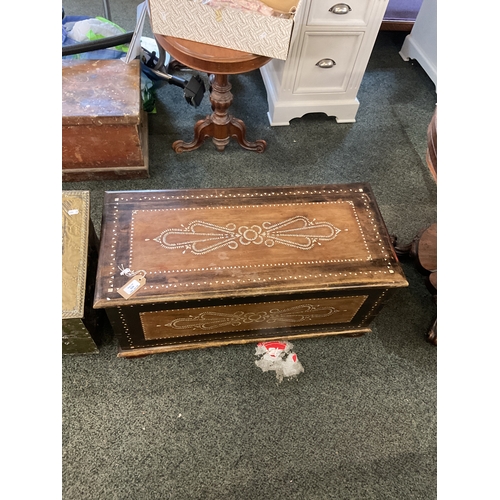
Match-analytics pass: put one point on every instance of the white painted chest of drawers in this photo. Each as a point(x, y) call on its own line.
point(330, 48)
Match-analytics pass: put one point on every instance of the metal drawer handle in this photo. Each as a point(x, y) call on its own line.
point(326, 63)
point(340, 8)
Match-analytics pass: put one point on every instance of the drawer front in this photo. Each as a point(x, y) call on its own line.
point(335, 13)
point(340, 50)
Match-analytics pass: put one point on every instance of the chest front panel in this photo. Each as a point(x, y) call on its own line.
point(251, 316)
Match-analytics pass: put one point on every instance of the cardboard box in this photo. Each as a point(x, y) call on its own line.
point(229, 28)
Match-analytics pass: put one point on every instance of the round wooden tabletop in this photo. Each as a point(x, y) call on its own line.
point(210, 58)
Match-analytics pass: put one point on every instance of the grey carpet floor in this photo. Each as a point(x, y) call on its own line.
point(360, 422)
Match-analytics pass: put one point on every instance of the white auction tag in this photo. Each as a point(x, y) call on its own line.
point(131, 287)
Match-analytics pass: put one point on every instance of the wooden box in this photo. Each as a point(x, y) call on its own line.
point(80, 322)
point(228, 266)
point(104, 128)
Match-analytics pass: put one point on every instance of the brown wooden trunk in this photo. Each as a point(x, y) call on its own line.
point(235, 265)
point(104, 129)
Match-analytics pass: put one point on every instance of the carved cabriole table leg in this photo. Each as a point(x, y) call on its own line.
point(220, 125)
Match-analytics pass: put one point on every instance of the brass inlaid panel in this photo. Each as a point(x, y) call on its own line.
point(75, 227)
point(192, 239)
point(245, 317)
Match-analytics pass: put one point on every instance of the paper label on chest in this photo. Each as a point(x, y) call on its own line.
point(197, 244)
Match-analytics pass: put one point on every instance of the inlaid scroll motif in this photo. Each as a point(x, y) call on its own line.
point(211, 320)
point(200, 237)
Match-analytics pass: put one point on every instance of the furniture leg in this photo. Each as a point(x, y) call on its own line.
point(220, 125)
point(423, 249)
point(432, 335)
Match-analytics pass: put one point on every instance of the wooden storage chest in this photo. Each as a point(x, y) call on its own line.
point(104, 128)
point(238, 265)
point(81, 323)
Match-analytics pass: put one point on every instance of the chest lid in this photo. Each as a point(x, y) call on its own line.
point(75, 234)
point(100, 92)
point(237, 242)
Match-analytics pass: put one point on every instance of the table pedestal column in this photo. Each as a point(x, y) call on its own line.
point(220, 125)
